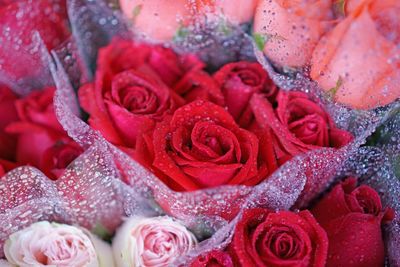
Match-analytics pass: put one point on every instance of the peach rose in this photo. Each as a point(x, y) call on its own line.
point(291, 28)
point(234, 11)
point(158, 19)
point(151, 242)
point(57, 245)
point(358, 62)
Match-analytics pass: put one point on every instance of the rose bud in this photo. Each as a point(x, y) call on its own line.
point(53, 244)
point(357, 62)
point(352, 217)
point(213, 258)
point(158, 19)
point(238, 82)
point(287, 31)
point(149, 242)
point(8, 114)
point(284, 238)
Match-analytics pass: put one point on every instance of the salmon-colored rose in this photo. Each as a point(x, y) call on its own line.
point(292, 28)
point(359, 58)
point(158, 19)
point(235, 11)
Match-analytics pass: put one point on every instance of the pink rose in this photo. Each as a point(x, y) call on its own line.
point(53, 244)
point(151, 242)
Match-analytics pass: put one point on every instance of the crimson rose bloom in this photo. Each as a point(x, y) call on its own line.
point(6, 166)
point(238, 82)
point(267, 238)
point(41, 139)
point(132, 83)
point(352, 217)
point(198, 84)
point(18, 20)
point(200, 146)
point(299, 124)
point(213, 258)
point(8, 114)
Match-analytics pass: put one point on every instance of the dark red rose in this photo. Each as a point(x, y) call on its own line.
point(299, 124)
point(125, 92)
point(352, 217)
point(198, 84)
point(56, 158)
point(37, 131)
point(238, 82)
point(267, 238)
point(6, 166)
point(18, 20)
point(200, 146)
point(213, 258)
point(8, 114)
point(38, 108)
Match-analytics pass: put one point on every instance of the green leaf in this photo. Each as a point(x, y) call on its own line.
point(332, 92)
point(181, 33)
point(136, 11)
point(101, 232)
point(339, 7)
point(262, 38)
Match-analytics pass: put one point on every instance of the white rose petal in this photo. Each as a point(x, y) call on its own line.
point(149, 242)
point(58, 245)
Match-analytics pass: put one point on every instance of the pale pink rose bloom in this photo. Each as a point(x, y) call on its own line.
point(4, 263)
point(149, 242)
point(57, 245)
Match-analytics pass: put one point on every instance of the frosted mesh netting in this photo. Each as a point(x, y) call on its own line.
point(21, 66)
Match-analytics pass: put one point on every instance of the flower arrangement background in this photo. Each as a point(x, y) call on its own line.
point(105, 182)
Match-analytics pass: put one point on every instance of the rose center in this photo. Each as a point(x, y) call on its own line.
point(282, 242)
point(249, 78)
point(138, 100)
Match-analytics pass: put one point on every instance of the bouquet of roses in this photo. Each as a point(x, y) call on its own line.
point(128, 127)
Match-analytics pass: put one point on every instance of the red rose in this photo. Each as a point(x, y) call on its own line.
point(200, 146)
point(8, 114)
point(198, 84)
point(38, 130)
point(267, 238)
point(299, 124)
point(18, 20)
point(57, 157)
point(352, 217)
point(130, 85)
point(213, 258)
point(38, 108)
point(6, 166)
point(238, 82)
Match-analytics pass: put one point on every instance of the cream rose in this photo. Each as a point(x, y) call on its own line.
point(58, 245)
point(151, 242)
